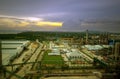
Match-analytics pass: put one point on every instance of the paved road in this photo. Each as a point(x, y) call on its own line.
point(27, 67)
point(19, 59)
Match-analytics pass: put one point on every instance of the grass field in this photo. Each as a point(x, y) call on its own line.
point(52, 59)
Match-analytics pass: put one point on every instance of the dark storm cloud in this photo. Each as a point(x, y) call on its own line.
point(74, 13)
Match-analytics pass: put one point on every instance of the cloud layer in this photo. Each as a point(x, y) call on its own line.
point(28, 23)
point(72, 15)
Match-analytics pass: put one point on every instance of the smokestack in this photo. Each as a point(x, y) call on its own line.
point(86, 36)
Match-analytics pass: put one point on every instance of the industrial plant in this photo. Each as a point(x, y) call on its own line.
point(60, 55)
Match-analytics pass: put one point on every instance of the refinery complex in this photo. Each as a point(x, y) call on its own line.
point(85, 55)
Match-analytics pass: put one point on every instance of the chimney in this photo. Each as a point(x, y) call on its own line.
point(86, 36)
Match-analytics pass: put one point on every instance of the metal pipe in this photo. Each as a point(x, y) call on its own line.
point(0, 59)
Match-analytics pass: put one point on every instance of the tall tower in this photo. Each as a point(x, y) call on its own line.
point(117, 51)
point(86, 36)
point(106, 38)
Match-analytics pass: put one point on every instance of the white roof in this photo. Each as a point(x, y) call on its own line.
point(75, 54)
point(55, 50)
point(93, 47)
point(53, 53)
point(107, 46)
point(74, 50)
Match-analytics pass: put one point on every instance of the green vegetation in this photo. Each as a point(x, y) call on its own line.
point(52, 59)
point(48, 36)
point(42, 36)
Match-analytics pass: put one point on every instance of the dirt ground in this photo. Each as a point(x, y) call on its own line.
point(73, 77)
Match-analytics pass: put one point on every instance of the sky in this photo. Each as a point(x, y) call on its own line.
point(60, 15)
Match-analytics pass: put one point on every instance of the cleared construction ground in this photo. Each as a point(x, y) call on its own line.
point(73, 77)
point(36, 63)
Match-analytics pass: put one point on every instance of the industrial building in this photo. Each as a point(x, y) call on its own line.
point(70, 56)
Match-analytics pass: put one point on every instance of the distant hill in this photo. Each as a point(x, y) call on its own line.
point(29, 31)
point(10, 31)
